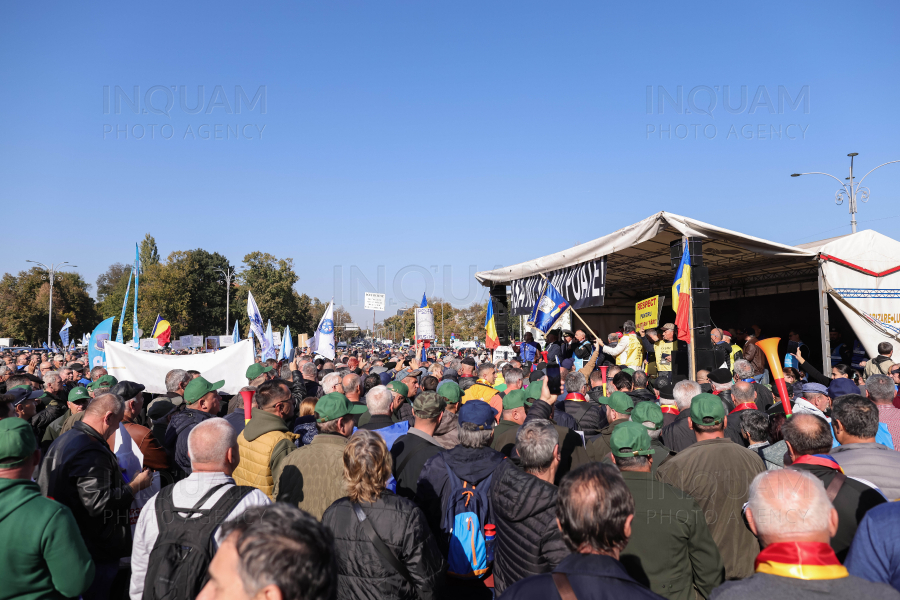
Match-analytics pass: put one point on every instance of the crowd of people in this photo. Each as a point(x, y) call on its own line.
point(390, 473)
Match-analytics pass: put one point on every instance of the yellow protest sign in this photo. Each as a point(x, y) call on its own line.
point(646, 313)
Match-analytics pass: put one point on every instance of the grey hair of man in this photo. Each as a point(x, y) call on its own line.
point(474, 436)
point(787, 502)
point(743, 369)
point(535, 442)
point(513, 376)
point(331, 381)
point(684, 392)
point(880, 388)
point(721, 387)
point(379, 400)
point(309, 369)
point(575, 382)
point(51, 377)
point(613, 338)
point(628, 327)
point(286, 372)
point(175, 378)
point(210, 440)
point(743, 392)
point(484, 369)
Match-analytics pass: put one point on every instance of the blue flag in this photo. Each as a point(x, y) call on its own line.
point(236, 333)
point(64, 334)
point(287, 345)
point(97, 343)
point(134, 323)
point(270, 351)
point(548, 309)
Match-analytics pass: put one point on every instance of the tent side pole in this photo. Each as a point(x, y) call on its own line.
point(823, 321)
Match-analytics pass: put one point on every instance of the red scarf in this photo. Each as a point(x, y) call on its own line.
point(800, 560)
point(822, 460)
point(669, 409)
point(744, 406)
point(575, 397)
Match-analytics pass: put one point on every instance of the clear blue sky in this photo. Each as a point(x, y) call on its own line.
point(432, 133)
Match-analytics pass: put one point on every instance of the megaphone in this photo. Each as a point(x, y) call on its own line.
point(769, 346)
point(603, 374)
point(247, 395)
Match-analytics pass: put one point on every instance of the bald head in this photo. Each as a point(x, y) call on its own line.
point(807, 434)
point(743, 392)
point(103, 405)
point(787, 505)
point(209, 443)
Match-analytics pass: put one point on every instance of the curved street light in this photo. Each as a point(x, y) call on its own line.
point(228, 273)
point(52, 269)
point(847, 189)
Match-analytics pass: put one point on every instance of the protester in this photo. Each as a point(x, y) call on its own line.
point(24, 400)
point(854, 421)
point(274, 553)
point(743, 395)
point(815, 401)
point(717, 473)
point(589, 417)
point(155, 457)
point(447, 432)
point(755, 431)
point(176, 380)
point(43, 553)
point(628, 351)
point(875, 552)
point(266, 440)
point(746, 371)
point(512, 417)
point(650, 416)
point(808, 439)
point(381, 404)
point(53, 401)
point(81, 460)
point(201, 401)
point(679, 434)
point(411, 451)
point(670, 550)
point(311, 475)
point(880, 390)
point(374, 529)
point(796, 560)
point(618, 410)
point(213, 449)
point(881, 364)
point(595, 511)
point(76, 402)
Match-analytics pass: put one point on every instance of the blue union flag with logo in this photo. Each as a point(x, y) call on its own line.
point(548, 309)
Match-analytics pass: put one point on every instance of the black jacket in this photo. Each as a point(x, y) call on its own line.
point(592, 577)
point(81, 472)
point(589, 417)
point(177, 435)
point(42, 420)
point(401, 525)
point(852, 502)
point(542, 410)
point(641, 395)
point(528, 540)
point(410, 452)
point(678, 435)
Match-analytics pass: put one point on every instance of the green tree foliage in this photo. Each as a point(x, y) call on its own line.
point(272, 282)
point(25, 299)
point(149, 253)
point(467, 323)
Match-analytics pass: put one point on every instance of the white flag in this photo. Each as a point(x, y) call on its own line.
point(323, 342)
point(256, 324)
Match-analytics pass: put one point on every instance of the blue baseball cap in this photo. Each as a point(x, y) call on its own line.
point(815, 388)
point(840, 387)
point(567, 363)
point(477, 412)
point(22, 393)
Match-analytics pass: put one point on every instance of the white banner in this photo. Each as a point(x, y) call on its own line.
point(126, 364)
point(374, 301)
point(425, 324)
point(149, 344)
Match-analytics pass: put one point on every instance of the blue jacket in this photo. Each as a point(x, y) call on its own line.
point(875, 552)
point(592, 577)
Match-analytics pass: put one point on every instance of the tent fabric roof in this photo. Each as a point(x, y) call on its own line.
point(638, 255)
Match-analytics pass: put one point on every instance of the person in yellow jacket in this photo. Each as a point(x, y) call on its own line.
point(266, 439)
point(628, 351)
point(483, 388)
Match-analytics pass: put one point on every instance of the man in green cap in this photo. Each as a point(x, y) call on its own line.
point(44, 555)
point(312, 477)
point(717, 473)
point(202, 402)
point(650, 415)
point(447, 432)
point(76, 402)
point(102, 385)
point(511, 418)
point(618, 410)
point(670, 550)
point(410, 451)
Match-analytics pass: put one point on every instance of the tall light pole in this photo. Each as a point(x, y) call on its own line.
point(851, 192)
point(52, 269)
point(229, 275)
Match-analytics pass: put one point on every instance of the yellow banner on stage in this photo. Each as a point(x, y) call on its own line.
point(646, 313)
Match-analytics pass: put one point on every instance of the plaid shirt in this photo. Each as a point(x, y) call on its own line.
point(890, 416)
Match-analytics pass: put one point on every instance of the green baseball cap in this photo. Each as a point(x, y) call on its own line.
point(399, 387)
point(106, 381)
point(428, 405)
point(628, 370)
point(78, 394)
point(619, 402)
point(630, 439)
point(199, 387)
point(533, 392)
point(336, 405)
point(648, 412)
point(450, 391)
point(257, 369)
point(17, 442)
point(707, 410)
point(514, 399)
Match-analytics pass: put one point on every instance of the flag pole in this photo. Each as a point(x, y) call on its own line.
point(588, 327)
point(692, 359)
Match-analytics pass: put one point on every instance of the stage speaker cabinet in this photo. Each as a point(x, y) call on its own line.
point(695, 245)
point(501, 313)
point(702, 321)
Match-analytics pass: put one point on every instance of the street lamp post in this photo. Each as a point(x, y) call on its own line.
point(229, 275)
point(851, 192)
point(52, 269)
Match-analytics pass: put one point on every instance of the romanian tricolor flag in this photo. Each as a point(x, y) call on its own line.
point(681, 296)
point(161, 331)
point(800, 560)
point(491, 339)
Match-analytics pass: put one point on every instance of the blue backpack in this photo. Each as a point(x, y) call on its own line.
point(467, 512)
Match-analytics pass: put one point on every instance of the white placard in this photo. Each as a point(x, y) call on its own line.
point(374, 301)
point(225, 341)
point(276, 338)
point(186, 341)
point(149, 344)
point(196, 341)
point(176, 345)
point(425, 324)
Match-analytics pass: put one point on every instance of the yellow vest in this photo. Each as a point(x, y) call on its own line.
point(633, 355)
point(663, 347)
point(734, 350)
point(253, 469)
point(480, 391)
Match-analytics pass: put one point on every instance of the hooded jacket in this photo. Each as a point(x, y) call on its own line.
point(177, 435)
point(447, 432)
point(528, 540)
point(49, 558)
point(264, 443)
